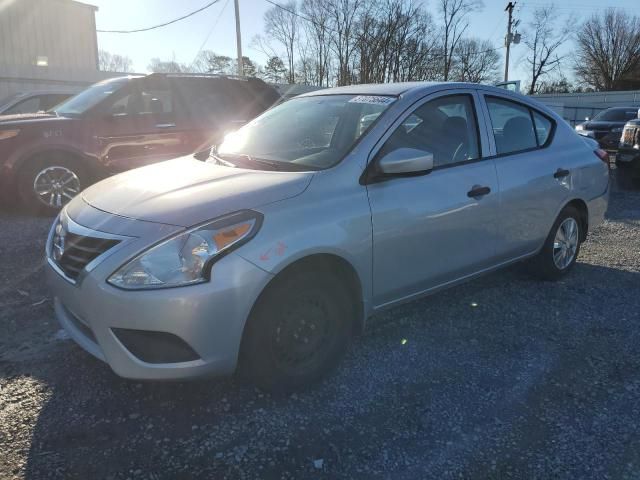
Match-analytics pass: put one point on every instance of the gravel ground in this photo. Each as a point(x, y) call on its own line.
point(503, 377)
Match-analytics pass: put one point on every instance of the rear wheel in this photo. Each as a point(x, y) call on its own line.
point(47, 183)
point(561, 248)
point(298, 332)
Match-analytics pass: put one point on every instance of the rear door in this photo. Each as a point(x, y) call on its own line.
point(432, 229)
point(535, 178)
point(138, 126)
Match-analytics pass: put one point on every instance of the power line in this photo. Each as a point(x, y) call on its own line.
point(213, 26)
point(162, 24)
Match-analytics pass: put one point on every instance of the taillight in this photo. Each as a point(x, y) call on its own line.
point(602, 155)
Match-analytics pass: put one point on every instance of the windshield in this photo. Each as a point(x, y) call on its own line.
point(617, 115)
point(88, 98)
point(311, 133)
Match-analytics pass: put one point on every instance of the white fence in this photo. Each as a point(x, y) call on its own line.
point(575, 107)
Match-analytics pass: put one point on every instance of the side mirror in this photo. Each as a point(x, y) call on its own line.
point(406, 161)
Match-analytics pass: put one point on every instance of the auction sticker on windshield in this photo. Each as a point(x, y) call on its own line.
point(372, 99)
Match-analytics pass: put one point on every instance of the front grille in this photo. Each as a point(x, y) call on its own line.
point(73, 252)
point(628, 137)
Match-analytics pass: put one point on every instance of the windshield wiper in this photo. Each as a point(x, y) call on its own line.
point(271, 164)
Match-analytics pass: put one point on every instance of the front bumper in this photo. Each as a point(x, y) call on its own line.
point(209, 318)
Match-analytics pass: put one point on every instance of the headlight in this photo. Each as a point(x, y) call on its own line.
point(186, 259)
point(5, 134)
point(579, 128)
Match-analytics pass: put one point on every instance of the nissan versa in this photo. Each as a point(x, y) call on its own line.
point(304, 222)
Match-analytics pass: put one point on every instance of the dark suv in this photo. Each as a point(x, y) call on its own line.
point(119, 124)
point(629, 150)
point(606, 127)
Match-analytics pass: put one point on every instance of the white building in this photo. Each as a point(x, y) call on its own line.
point(47, 45)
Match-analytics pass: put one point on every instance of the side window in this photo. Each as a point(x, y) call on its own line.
point(146, 101)
point(512, 126)
point(543, 127)
point(120, 106)
point(204, 100)
point(155, 101)
point(445, 127)
point(47, 102)
point(30, 105)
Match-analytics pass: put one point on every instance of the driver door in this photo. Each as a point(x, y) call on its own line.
point(139, 127)
point(433, 229)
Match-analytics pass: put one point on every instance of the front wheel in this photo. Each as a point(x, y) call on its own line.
point(298, 331)
point(50, 182)
point(561, 248)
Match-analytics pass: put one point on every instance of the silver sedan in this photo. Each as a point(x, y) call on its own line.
point(270, 255)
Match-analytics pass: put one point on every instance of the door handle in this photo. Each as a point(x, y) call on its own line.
point(165, 125)
point(561, 173)
point(478, 191)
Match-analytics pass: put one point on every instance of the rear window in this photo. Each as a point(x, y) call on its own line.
point(517, 127)
point(543, 127)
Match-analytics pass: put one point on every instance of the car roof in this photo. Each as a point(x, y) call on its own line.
point(401, 88)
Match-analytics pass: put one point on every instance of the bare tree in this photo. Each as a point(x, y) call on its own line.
point(318, 35)
point(210, 62)
point(475, 61)
point(281, 25)
point(608, 50)
point(543, 39)
point(454, 23)
point(112, 62)
point(166, 66)
point(343, 17)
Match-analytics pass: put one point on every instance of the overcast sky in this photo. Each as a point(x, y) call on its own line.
point(183, 39)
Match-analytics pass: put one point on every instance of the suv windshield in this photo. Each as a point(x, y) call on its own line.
point(618, 115)
point(305, 133)
point(90, 97)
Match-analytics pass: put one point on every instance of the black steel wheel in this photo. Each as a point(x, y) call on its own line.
point(298, 331)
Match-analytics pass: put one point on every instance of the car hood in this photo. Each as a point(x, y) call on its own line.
point(29, 118)
point(186, 191)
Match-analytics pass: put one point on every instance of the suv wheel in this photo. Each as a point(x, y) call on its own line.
point(47, 184)
point(298, 331)
point(561, 248)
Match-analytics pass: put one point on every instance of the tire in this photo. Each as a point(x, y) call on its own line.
point(50, 172)
point(298, 331)
point(550, 263)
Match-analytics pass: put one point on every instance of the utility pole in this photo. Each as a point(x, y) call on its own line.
point(508, 39)
point(239, 40)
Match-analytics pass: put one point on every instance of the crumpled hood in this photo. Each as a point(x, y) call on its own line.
point(186, 191)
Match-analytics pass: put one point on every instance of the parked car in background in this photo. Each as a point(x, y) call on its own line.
point(606, 127)
point(304, 222)
point(32, 102)
point(119, 124)
point(628, 156)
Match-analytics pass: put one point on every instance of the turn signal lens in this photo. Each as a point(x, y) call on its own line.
point(226, 237)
